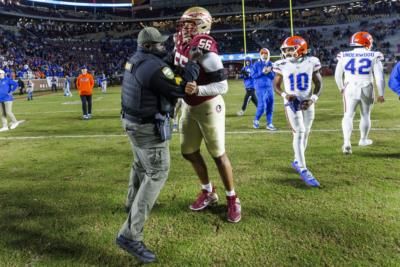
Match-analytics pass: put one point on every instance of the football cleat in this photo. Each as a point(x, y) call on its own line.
point(365, 142)
point(295, 165)
point(204, 199)
point(256, 124)
point(347, 150)
point(234, 209)
point(14, 125)
point(271, 127)
point(240, 113)
point(4, 129)
point(309, 179)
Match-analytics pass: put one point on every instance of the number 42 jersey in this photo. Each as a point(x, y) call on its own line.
point(359, 66)
point(297, 75)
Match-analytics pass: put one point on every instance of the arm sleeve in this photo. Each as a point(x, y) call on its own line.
point(13, 85)
point(394, 80)
point(77, 83)
point(166, 87)
point(256, 71)
point(212, 89)
point(379, 77)
point(212, 64)
point(243, 73)
point(271, 74)
point(339, 75)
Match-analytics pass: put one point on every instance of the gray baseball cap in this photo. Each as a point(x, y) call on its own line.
point(151, 35)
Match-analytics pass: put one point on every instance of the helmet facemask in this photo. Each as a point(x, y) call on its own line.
point(290, 52)
point(186, 30)
point(194, 21)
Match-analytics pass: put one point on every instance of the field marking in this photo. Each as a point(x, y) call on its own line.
point(61, 101)
point(64, 111)
point(78, 102)
point(229, 132)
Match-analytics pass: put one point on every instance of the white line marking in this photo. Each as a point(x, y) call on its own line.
point(229, 132)
point(65, 111)
point(79, 102)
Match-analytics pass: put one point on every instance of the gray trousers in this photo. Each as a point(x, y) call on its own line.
point(148, 174)
point(6, 108)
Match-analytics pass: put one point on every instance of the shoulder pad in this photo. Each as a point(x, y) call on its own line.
point(205, 42)
point(279, 62)
point(315, 60)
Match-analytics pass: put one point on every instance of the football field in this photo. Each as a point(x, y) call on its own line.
point(63, 183)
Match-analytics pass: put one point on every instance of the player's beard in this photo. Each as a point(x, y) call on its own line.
point(161, 52)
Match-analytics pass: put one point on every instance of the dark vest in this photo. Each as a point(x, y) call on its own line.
point(138, 98)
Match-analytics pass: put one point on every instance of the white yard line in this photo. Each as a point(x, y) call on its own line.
point(64, 111)
point(260, 131)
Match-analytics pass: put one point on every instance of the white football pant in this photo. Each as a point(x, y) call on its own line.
point(355, 94)
point(300, 122)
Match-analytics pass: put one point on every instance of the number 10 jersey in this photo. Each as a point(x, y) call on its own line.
point(297, 75)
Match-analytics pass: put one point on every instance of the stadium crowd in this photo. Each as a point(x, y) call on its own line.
point(49, 47)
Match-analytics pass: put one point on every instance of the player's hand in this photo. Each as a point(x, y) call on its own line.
point(191, 88)
point(195, 53)
point(381, 99)
point(306, 104)
point(290, 97)
point(267, 69)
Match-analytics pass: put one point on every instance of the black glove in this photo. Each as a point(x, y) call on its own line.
point(191, 71)
point(245, 74)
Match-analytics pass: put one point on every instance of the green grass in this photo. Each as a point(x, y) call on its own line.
point(62, 194)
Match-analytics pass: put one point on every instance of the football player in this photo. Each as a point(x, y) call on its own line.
point(354, 75)
point(298, 71)
point(203, 111)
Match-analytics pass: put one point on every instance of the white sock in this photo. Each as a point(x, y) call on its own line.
point(207, 187)
point(347, 126)
point(230, 193)
point(298, 147)
point(365, 126)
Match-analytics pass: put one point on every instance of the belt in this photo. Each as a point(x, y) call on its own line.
point(138, 120)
